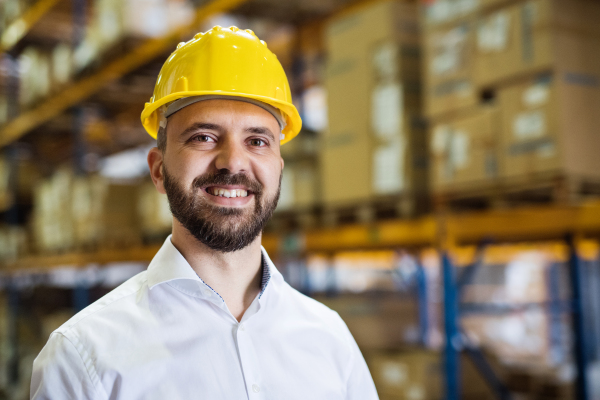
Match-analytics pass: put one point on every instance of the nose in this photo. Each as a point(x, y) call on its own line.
point(232, 156)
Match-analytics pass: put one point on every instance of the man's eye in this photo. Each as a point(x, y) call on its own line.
point(257, 142)
point(202, 138)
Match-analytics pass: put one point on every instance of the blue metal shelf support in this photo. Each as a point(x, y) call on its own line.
point(81, 297)
point(422, 303)
point(453, 339)
point(580, 346)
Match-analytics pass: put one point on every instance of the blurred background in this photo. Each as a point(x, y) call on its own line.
point(443, 196)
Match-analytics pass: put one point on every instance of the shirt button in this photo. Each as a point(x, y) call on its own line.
point(255, 388)
point(207, 292)
point(243, 328)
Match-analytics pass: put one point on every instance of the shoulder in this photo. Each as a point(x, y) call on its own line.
point(121, 300)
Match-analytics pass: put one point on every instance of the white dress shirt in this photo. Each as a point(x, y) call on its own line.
point(165, 334)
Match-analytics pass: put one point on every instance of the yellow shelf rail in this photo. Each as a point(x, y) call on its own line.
point(41, 263)
point(86, 87)
point(529, 224)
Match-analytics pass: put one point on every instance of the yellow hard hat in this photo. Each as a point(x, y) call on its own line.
point(228, 62)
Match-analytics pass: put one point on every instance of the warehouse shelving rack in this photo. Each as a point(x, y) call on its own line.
point(86, 87)
point(445, 232)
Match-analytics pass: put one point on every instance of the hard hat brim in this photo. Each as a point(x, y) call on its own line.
point(151, 122)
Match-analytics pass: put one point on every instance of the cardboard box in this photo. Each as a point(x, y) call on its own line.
point(448, 72)
point(373, 93)
point(549, 127)
point(52, 218)
point(13, 242)
point(299, 185)
point(442, 12)
point(528, 37)
point(153, 211)
point(464, 150)
point(72, 211)
point(35, 77)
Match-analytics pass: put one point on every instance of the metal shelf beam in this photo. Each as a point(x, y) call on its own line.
point(523, 224)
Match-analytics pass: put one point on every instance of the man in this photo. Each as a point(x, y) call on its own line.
point(211, 318)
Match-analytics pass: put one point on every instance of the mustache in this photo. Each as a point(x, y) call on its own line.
point(216, 179)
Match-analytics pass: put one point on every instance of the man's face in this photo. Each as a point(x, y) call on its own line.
point(222, 171)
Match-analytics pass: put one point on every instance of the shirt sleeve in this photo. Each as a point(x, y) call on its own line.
point(60, 373)
point(359, 384)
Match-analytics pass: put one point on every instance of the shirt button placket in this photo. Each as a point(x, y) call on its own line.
point(247, 358)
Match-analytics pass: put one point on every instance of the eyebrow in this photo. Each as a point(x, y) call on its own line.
point(261, 131)
point(201, 126)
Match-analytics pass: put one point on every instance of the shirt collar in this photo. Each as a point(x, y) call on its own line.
point(169, 266)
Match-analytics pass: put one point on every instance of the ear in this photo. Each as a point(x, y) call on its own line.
point(282, 163)
point(155, 162)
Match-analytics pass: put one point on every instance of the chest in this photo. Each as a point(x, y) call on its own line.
point(226, 363)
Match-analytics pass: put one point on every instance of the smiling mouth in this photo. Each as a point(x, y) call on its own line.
point(221, 192)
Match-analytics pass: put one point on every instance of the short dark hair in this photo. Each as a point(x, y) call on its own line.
point(161, 139)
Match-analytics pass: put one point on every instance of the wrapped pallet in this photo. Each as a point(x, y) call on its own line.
point(84, 211)
point(13, 242)
point(104, 213)
point(154, 213)
point(52, 218)
point(299, 186)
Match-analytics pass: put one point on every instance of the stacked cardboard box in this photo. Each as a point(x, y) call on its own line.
point(374, 145)
point(300, 188)
point(35, 75)
point(72, 211)
point(527, 72)
point(43, 71)
point(13, 242)
point(104, 213)
point(154, 213)
point(463, 149)
point(52, 221)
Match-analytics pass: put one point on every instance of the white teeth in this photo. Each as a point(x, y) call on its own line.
point(228, 193)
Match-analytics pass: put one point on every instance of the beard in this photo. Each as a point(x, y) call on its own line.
point(224, 229)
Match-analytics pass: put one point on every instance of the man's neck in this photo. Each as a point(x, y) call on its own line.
point(236, 276)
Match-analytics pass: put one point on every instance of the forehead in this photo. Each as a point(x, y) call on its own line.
point(229, 113)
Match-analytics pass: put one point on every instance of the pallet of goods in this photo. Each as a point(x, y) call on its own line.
point(511, 93)
point(84, 212)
